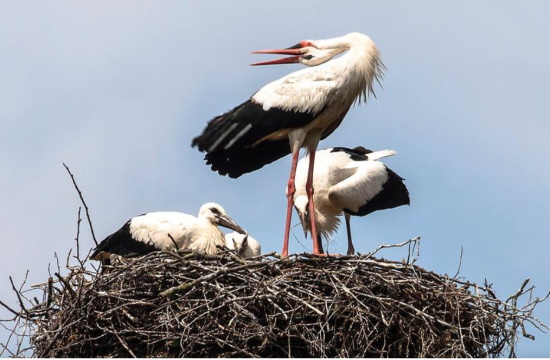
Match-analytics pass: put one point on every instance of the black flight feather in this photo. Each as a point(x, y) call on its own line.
point(231, 139)
point(122, 243)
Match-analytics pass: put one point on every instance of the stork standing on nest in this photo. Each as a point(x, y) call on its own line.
point(351, 181)
point(168, 230)
point(295, 111)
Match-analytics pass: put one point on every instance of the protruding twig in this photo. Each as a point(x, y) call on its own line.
point(83, 203)
point(173, 241)
point(459, 262)
point(9, 309)
point(77, 238)
point(388, 246)
point(18, 293)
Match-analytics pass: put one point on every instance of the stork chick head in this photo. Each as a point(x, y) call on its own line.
point(216, 215)
point(237, 242)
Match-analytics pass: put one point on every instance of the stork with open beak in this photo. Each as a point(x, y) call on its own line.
point(295, 111)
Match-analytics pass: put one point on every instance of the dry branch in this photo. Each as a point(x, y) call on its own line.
point(83, 203)
point(169, 304)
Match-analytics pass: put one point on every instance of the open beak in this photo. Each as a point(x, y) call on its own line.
point(227, 222)
point(288, 60)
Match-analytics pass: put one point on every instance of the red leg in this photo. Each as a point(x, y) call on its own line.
point(317, 244)
point(351, 248)
point(291, 189)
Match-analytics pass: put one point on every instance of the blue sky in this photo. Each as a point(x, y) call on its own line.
point(117, 90)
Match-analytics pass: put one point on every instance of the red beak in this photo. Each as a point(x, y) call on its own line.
point(288, 60)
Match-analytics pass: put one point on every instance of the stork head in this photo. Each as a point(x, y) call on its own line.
point(309, 52)
point(216, 214)
point(301, 204)
point(237, 242)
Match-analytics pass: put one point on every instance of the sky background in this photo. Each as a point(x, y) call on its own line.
point(117, 90)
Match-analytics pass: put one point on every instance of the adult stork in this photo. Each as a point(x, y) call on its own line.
point(295, 111)
point(167, 230)
point(351, 181)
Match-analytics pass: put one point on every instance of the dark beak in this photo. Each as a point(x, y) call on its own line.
point(227, 222)
point(304, 219)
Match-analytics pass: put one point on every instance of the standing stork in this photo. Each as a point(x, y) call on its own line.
point(351, 181)
point(166, 230)
point(295, 111)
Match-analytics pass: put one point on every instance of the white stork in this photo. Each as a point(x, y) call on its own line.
point(351, 181)
point(168, 230)
point(243, 244)
point(295, 111)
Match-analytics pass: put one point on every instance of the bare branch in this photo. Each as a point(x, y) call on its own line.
point(182, 304)
point(83, 203)
point(459, 262)
point(18, 293)
point(9, 308)
point(389, 246)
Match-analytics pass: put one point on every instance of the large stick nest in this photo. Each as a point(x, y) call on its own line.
point(169, 304)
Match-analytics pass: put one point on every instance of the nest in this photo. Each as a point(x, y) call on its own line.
point(185, 304)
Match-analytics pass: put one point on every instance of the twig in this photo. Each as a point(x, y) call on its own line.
point(208, 277)
point(514, 297)
point(173, 242)
point(459, 263)
point(388, 246)
point(123, 343)
point(18, 293)
point(83, 203)
point(9, 309)
point(67, 285)
point(77, 238)
point(50, 345)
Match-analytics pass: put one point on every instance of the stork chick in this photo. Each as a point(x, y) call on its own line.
point(243, 244)
point(168, 230)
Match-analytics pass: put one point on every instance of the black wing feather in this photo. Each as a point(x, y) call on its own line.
point(245, 155)
point(358, 153)
point(236, 162)
point(394, 193)
point(122, 243)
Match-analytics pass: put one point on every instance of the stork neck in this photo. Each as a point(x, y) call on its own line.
point(211, 236)
point(358, 68)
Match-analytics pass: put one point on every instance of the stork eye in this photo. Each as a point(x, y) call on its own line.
point(215, 211)
point(308, 57)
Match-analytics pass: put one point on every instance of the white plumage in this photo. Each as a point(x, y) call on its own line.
point(168, 230)
point(295, 111)
point(243, 244)
point(351, 181)
point(335, 84)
